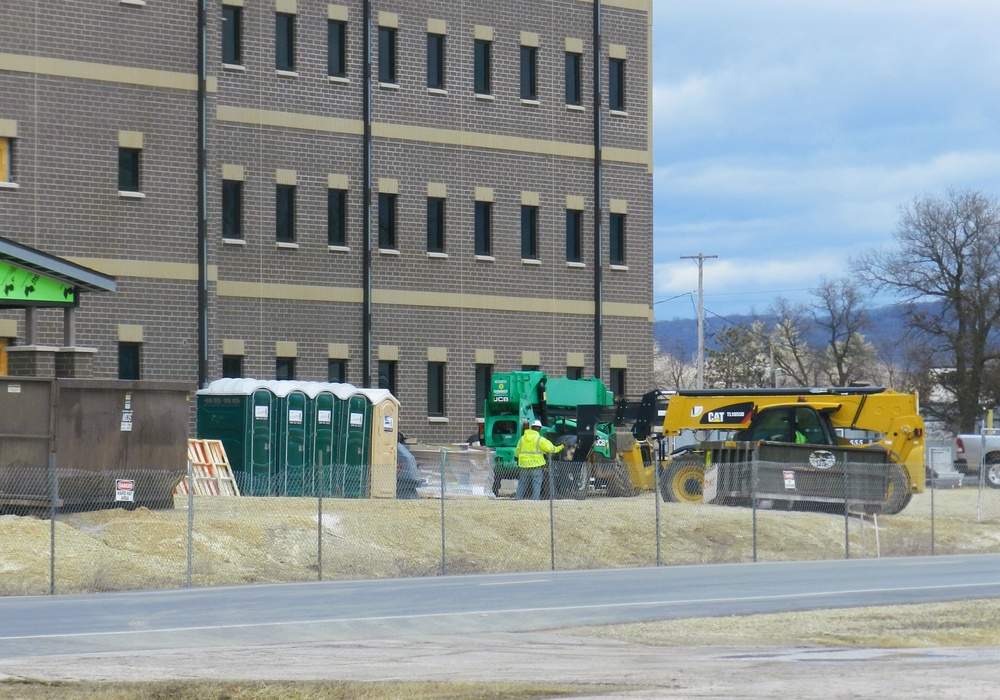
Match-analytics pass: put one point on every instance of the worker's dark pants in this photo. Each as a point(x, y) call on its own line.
point(532, 476)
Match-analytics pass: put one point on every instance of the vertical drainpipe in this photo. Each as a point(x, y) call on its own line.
point(202, 196)
point(366, 176)
point(598, 196)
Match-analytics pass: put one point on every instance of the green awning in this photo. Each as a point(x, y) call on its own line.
point(29, 277)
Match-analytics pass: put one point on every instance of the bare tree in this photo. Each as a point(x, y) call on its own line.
point(840, 313)
point(671, 372)
point(793, 355)
point(948, 252)
point(742, 359)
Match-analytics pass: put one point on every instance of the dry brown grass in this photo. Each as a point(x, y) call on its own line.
point(263, 540)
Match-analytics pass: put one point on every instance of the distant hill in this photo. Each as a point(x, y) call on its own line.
point(679, 337)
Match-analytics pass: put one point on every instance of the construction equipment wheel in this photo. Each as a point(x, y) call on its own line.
point(620, 483)
point(897, 495)
point(576, 480)
point(682, 480)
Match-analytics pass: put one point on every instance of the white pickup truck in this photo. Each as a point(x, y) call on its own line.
point(969, 457)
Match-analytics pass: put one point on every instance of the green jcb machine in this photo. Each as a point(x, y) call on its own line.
point(574, 412)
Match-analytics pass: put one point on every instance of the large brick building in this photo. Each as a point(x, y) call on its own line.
point(470, 140)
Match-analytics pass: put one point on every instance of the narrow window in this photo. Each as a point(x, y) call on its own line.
point(232, 209)
point(484, 226)
point(616, 84)
point(284, 368)
point(387, 375)
point(232, 35)
point(284, 42)
point(336, 217)
point(435, 224)
point(387, 221)
point(128, 361)
point(435, 388)
point(232, 366)
point(574, 79)
point(284, 214)
point(529, 232)
point(617, 382)
point(128, 169)
point(617, 242)
point(387, 54)
point(336, 48)
point(484, 374)
point(435, 61)
point(336, 371)
point(529, 73)
point(483, 67)
point(6, 159)
point(574, 233)
point(529, 368)
point(574, 373)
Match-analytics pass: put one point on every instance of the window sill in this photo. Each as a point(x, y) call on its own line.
point(287, 73)
point(339, 248)
point(486, 258)
point(436, 91)
point(530, 103)
point(485, 98)
point(437, 419)
point(618, 113)
point(575, 108)
point(233, 241)
point(388, 86)
point(439, 256)
point(9, 185)
point(530, 261)
point(388, 251)
point(572, 263)
point(338, 79)
point(128, 194)
point(620, 268)
point(137, 3)
point(290, 245)
point(234, 67)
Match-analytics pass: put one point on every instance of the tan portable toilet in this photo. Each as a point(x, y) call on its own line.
point(384, 436)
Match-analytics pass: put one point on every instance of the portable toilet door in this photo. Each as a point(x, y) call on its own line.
point(384, 441)
point(357, 434)
point(325, 443)
point(261, 468)
point(294, 458)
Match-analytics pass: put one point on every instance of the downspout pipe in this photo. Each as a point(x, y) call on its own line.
point(598, 197)
point(202, 195)
point(366, 176)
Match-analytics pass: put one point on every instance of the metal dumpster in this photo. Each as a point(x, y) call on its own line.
point(84, 444)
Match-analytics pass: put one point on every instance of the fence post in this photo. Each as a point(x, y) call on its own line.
point(190, 528)
point(53, 495)
point(552, 518)
point(847, 511)
point(318, 485)
point(932, 516)
point(657, 475)
point(754, 475)
point(444, 571)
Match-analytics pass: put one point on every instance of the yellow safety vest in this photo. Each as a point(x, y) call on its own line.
point(531, 448)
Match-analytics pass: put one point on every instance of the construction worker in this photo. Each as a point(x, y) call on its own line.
point(530, 454)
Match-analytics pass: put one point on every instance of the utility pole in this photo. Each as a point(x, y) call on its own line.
point(701, 258)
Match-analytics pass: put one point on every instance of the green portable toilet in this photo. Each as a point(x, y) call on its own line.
point(242, 414)
point(357, 436)
point(292, 427)
point(326, 444)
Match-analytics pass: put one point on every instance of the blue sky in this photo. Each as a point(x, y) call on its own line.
point(788, 133)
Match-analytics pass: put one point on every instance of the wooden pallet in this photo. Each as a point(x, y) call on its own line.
point(211, 471)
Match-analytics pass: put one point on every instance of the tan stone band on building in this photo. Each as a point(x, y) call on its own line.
point(353, 295)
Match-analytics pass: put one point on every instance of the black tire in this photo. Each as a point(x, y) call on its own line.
point(898, 494)
point(992, 472)
point(620, 483)
point(682, 480)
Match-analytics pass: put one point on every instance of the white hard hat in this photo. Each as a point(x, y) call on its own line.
point(536, 423)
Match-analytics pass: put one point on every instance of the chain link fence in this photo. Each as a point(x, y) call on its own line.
point(114, 531)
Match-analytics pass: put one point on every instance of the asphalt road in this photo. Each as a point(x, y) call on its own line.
point(480, 627)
